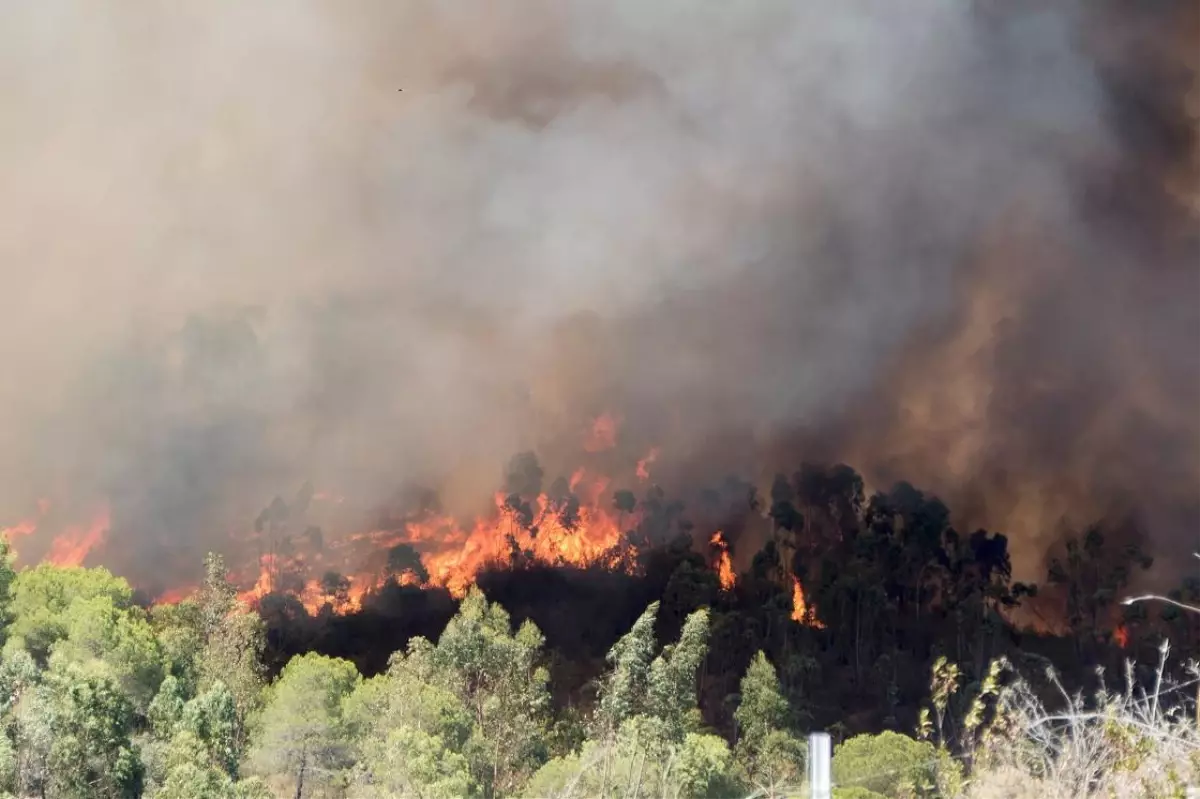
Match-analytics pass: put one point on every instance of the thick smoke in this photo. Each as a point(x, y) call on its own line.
point(947, 242)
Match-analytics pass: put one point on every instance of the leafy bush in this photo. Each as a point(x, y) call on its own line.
point(889, 764)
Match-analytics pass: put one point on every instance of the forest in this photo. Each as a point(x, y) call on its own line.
point(371, 250)
point(552, 681)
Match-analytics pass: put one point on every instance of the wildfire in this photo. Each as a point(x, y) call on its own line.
point(643, 466)
point(173, 596)
point(574, 526)
point(262, 586)
point(25, 527)
point(801, 612)
point(572, 522)
point(73, 545)
point(17, 530)
point(725, 573)
point(314, 595)
point(1121, 636)
point(587, 536)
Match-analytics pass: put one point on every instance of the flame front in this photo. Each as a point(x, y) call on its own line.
point(312, 595)
point(575, 522)
point(725, 573)
point(262, 585)
point(71, 548)
point(1121, 636)
point(801, 612)
point(591, 537)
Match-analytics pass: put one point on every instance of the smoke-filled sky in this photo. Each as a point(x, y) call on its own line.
point(950, 242)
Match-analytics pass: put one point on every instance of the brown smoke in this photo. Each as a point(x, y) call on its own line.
point(948, 242)
point(1065, 389)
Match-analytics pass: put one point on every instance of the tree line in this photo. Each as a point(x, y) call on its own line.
point(105, 698)
point(549, 681)
point(893, 582)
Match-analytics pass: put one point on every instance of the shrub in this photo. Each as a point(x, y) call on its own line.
point(888, 764)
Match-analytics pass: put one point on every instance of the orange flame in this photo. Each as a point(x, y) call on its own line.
point(24, 527)
point(725, 573)
point(262, 585)
point(1121, 636)
point(173, 596)
point(73, 545)
point(801, 612)
point(643, 466)
point(19, 529)
point(580, 530)
point(594, 537)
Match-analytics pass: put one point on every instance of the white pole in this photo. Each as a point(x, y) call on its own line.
point(820, 780)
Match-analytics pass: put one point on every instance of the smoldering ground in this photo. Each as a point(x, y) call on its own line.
point(944, 241)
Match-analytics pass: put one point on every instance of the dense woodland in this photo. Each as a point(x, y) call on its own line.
point(553, 681)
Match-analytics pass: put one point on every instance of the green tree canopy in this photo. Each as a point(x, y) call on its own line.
point(303, 741)
point(41, 596)
point(890, 764)
point(498, 677)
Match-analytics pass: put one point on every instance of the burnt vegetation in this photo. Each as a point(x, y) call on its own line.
point(894, 585)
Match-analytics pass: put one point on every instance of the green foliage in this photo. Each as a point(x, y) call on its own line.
point(943, 685)
point(179, 629)
point(623, 691)
point(232, 656)
point(211, 718)
point(189, 773)
point(564, 776)
point(405, 696)
point(699, 767)
point(890, 764)
point(775, 764)
point(7, 577)
point(42, 596)
point(672, 680)
point(303, 739)
point(497, 676)
point(768, 756)
point(199, 732)
point(166, 709)
point(217, 597)
point(763, 707)
point(410, 734)
point(116, 641)
point(649, 742)
point(856, 792)
point(81, 727)
point(412, 762)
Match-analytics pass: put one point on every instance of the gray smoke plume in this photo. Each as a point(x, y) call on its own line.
point(248, 245)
